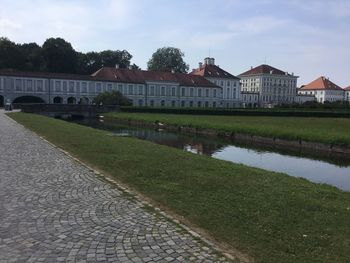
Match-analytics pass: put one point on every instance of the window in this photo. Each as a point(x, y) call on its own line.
point(199, 104)
point(173, 92)
point(152, 102)
point(191, 92)
point(182, 103)
point(214, 93)
point(191, 103)
point(214, 104)
point(120, 88)
point(152, 91)
point(39, 85)
point(57, 86)
point(140, 90)
point(199, 92)
point(130, 90)
point(18, 85)
point(172, 103)
point(163, 91)
point(183, 92)
point(207, 104)
point(207, 92)
point(228, 83)
point(71, 86)
point(162, 103)
point(228, 93)
point(29, 85)
point(84, 87)
point(109, 87)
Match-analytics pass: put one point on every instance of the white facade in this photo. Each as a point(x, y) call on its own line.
point(322, 96)
point(274, 86)
point(60, 90)
point(300, 99)
point(347, 94)
point(250, 99)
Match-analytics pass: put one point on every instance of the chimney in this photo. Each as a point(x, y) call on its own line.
point(200, 65)
point(116, 66)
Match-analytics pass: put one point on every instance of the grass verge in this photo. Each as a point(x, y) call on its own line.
point(272, 217)
point(324, 130)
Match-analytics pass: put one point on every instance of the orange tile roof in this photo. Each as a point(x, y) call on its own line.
point(347, 89)
point(212, 71)
point(321, 83)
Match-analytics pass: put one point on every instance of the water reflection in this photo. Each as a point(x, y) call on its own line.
point(314, 166)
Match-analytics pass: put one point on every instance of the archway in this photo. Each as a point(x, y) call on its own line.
point(1, 101)
point(57, 100)
point(28, 99)
point(84, 101)
point(71, 100)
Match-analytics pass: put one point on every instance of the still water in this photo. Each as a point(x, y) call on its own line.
point(312, 166)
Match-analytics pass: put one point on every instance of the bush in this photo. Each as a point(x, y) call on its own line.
point(112, 98)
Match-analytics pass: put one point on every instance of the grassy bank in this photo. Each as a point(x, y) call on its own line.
point(325, 130)
point(272, 217)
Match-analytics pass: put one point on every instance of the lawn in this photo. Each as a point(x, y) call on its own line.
point(325, 130)
point(270, 216)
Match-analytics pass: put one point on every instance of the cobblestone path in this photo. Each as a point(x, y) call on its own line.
point(53, 209)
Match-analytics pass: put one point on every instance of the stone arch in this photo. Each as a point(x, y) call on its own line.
point(84, 100)
point(57, 100)
point(28, 99)
point(1, 101)
point(71, 100)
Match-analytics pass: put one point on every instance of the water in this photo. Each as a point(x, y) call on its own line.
point(313, 166)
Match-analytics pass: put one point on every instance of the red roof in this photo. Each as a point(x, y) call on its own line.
point(264, 69)
point(47, 75)
point(212, 71)
point(348, 88)
point(143, 76)
point(121, 75)
point(321, 83)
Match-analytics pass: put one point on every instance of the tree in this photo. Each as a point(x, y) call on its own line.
point(31, 54)
point(168, 59)
point(10, 54)
point(59, 56)
point(112, 98)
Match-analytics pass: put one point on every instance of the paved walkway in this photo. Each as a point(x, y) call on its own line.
point(53, 209)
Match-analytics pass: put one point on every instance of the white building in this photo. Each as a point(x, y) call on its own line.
point(323, 90)
point(250, 99)
point(301, 99)
point(273, 85)
point(231, 92)
point(347, 94)
point(143, 88)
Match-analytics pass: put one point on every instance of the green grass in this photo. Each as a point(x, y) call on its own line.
point(325, 130)
point(272, 217)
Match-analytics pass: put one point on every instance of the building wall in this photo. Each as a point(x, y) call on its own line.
point(250, 99)
point(347, 96)
point(273, 89)
point(75, 91)
point(325, 95)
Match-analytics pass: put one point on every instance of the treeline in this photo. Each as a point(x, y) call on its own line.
point(58, 55)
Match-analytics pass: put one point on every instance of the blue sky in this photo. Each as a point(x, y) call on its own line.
point(310, 37)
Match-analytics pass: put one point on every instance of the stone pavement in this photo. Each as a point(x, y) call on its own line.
point(54, 209)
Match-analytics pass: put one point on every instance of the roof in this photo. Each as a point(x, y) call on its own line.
point(321, 83)
point(121, 75)
point(212, 71)
point(143, 76)
point(265, 69)
point(17, 73)
point(347, 89)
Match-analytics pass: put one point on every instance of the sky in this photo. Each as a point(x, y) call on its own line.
point(310, 38)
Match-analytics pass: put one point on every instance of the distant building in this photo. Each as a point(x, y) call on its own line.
point(250, 99)
point(143, 88)
point(323, 90)
point(273, 85)
point(347, 94)
point(301, 99)
point(230, 84)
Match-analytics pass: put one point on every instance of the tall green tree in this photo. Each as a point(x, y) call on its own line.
point(31, 54)
point(59, 56)
point(168, 59)
point(10, 54)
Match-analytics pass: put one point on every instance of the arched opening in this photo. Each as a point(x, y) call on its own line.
point(57, 100)
point(84, 101)
point(1, 101)
point(71, 100)
point(28, 99)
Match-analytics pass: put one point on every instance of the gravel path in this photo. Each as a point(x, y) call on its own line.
point(54, 209)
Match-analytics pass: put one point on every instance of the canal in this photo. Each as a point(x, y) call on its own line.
point(314, 166)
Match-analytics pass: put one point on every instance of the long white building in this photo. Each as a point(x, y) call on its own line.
point(143, 88)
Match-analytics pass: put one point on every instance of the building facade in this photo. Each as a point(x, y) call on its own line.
point(323, 90)
point(347, 94)
point(230, 84)
point(143, 88)
point(273, 85)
